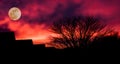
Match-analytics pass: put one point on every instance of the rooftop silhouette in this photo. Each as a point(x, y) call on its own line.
point(7, 40)
point(24, 43)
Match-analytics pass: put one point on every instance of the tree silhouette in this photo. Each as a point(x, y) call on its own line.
point(78, 31)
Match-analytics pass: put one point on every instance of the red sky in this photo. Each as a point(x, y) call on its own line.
point(38, 15)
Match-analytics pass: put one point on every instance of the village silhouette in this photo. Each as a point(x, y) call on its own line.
point(7, 40)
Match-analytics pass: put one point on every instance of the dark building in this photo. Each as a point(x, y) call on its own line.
point(24, 44)
point(7, 39)
point(40, 46)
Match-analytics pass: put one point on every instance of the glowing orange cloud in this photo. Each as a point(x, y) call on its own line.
point(38, 33)
point(4, 21)
point(25, 31)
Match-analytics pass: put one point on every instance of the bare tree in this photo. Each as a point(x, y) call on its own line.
point(78, 31)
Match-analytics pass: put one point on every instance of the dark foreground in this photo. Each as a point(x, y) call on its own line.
point(26, 51)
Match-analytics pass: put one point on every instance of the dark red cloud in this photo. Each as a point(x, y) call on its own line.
point(38, 15)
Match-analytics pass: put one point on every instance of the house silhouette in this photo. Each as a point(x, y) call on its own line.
point(7, 40)
point(23, 44)
point(41, 46)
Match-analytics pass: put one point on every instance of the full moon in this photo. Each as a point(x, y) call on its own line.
point(14, 13)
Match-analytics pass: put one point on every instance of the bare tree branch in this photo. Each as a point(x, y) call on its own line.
point(77, 31)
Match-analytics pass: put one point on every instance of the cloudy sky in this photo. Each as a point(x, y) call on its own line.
point(38, 15)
